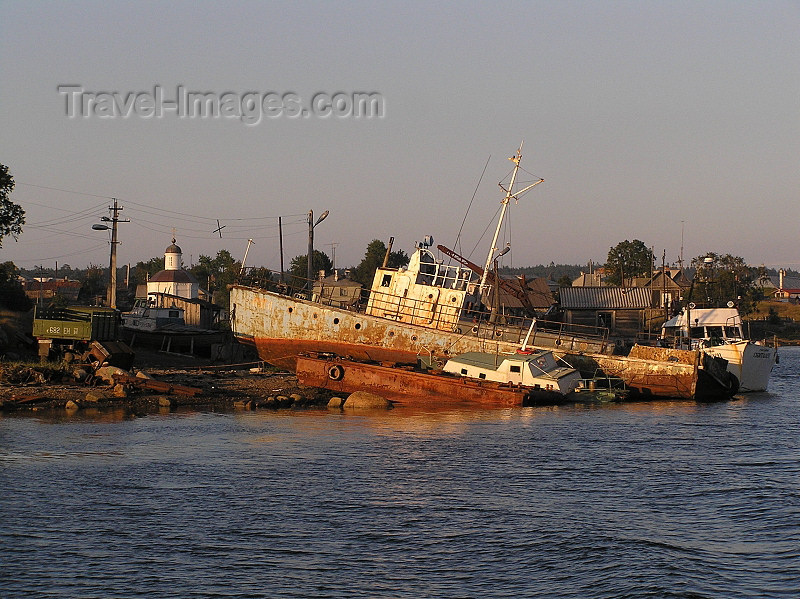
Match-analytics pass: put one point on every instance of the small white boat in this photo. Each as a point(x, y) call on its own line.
point(538, 370)
point(718, 332)
point(147, 316)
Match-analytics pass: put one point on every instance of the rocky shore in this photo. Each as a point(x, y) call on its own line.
point(185, 381)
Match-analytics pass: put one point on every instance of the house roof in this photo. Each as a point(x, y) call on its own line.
point(606, 298)
point(537, 290)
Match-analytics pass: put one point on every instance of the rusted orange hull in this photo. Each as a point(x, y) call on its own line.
point(408, 387)
point(281, 328)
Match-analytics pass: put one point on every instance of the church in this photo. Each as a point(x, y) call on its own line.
point(174, 280)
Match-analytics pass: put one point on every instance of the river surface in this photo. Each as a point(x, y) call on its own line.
point(657, 499)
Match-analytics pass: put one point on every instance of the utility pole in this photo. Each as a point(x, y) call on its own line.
point(112, 285)
point(280, 243)
point(310, 270)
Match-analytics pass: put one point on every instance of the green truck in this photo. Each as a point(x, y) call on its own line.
point(89, 333)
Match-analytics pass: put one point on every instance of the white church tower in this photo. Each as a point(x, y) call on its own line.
point(174, 280)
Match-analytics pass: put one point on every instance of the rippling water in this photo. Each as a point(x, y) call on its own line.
point(661, 499)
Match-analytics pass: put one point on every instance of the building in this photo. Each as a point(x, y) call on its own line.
point(173, 280)
point(338, 291)
point(49, 289)
point(621, 310)
point(788, 288)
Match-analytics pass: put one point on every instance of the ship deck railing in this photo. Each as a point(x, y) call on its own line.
point(433, 314)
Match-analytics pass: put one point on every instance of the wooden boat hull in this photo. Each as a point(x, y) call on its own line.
point(405, 385)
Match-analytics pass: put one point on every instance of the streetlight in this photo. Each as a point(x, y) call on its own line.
point(111, 296)
point(311, 225)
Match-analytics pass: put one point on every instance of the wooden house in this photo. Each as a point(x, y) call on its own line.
point(622, 310)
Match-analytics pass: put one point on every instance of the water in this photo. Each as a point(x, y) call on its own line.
point(662, 499)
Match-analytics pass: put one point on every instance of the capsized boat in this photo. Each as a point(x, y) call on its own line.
point(485, 384)
point(718, 332)
point(534, 370)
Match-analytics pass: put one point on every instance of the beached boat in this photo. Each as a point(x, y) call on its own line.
point(718, 332)
point(438, 310)
point(475, 378)
point(164, 326)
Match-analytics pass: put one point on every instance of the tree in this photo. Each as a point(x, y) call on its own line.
point(217, 273)
point(373, 258)
point(626, 260)
point(144, 270)
point(298, 267)
point(12, 216)
point(12, 295)
point(720, 278)
point(93, 283)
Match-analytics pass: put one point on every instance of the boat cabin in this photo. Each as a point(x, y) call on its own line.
point(537, 370)
point(706, 327)
point(426, 293)
point(146, 315)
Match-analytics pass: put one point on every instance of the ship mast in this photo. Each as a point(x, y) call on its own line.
point(510, 193)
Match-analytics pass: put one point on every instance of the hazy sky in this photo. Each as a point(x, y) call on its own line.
point(646, 120)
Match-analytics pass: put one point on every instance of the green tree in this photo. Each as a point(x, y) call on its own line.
point(12, 295)
point(298, 267)
point(12, 216)
point(217, 273)
point(144, 270)
point(93, 283)
point(720, 278)
point(626, 260)
point(373, 258)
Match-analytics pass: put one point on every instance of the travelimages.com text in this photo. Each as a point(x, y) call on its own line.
point(248, 107)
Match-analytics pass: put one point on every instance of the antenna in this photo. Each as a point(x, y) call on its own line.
point(333, 245)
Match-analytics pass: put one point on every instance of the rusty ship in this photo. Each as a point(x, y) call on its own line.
point(438, 311)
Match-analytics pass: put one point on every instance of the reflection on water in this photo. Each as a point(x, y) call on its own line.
point(655, 499)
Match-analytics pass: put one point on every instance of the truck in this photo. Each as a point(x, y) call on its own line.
point(83, 333)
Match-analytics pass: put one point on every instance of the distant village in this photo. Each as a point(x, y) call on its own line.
point(592, 298)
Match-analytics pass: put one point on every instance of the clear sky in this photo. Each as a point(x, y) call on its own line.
point(647, 120)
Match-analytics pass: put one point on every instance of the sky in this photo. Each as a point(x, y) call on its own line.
point(675, 123)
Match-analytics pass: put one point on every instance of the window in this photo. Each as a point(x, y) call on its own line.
point(516, 369)
point(482, 375)
point(464, 371)
point(387, 280)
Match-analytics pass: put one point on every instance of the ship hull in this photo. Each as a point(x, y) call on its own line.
point(751, 363)
point(408, 387)
point(282, 327)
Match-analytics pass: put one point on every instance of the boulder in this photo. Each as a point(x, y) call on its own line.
point(364, 400)
point(335, 403)
point(120, 391)
point(71, 405)
point(94, 396)
point(106, 373)
point(165, 402)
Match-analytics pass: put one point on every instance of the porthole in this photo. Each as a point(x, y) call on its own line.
point(335, 321)
point(358, 325)
point(315, 315)
point(291, 310)
point(413, 337)
point(391, 333)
